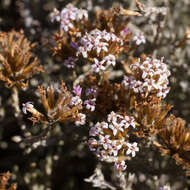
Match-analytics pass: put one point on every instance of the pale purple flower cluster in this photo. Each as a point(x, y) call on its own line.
point(98, 41)
point(68, 15)
point(109, 138)
point(103, 64)
point(153, 77)
point(77, 90)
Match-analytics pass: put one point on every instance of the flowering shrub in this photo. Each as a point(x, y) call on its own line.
point(112, 104)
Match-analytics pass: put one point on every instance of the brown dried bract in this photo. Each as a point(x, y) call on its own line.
point(4, 178)
point(149, 116)
point(63, 49)
point(18, 63)
point(176, 141)
point(110, 97)
point(57, 106)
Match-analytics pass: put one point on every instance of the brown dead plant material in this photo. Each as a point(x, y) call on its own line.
point(17, 61)
point(149, 116)
point(4, 178)
point(63, 49)
point(175, 139)
point(56, 103)
point(110, 96)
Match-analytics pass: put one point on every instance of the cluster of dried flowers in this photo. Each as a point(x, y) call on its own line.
point(17, 61)
point(4, 185)
point(65, 108)
point(132, 107)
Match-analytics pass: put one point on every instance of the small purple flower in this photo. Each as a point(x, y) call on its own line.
point(77, 90)
point(70, 62)
point(125, 32)
point(91, 91)
point(74, 45)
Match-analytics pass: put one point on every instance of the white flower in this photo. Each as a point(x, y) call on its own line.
point(104, 125)
point(83, 51)
point(76, 100)
point(106, 36)
point(93, 131)
point(97, 41)
point(81, 13)
point(114, 148)
point(110, 60)
point(55, 15)
point(90, 104)
point(101, 46)
point(139, 39)
point(105, 141)
point(128, 121)
point(116, 127)
point(128, 82)
point(98, 65)
point(110, 147)
point(66, 25)
point(81, 119)
point(120, 165)
point(112, 117)
point(132, 149)
point(165, 187)
point(26, 107)
point(92, 144)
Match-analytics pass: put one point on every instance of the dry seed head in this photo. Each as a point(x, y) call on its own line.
point(58, 106)
point(17, 61)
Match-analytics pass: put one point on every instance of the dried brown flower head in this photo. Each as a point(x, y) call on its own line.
point(4, 178)
point(16, 58)
point(149, 116)
point(175, 140)
point(63, 49)
point(63, 108)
